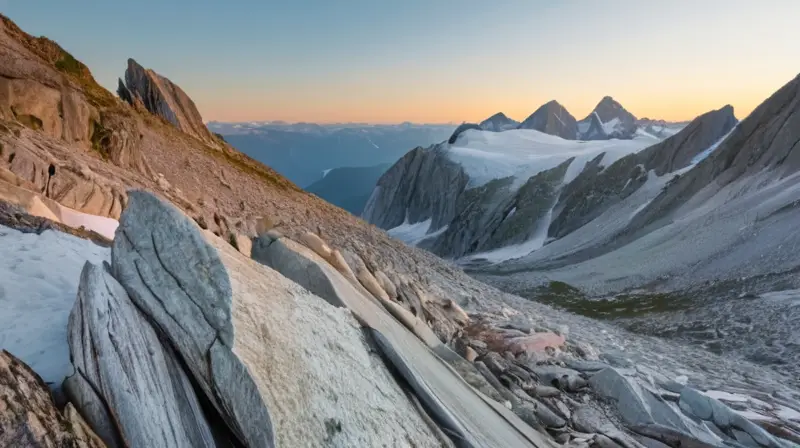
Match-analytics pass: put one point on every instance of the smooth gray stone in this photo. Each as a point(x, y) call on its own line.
point(274, 253)
point(435, 408)
point(669, 436)
point(178, 280)
point(91, 406)
point(585, 366)
point(548, 417)
point(117, 352)
point(695, 404)
point(564, 378)
point(605, 442)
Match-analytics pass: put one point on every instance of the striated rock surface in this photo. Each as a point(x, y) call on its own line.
point(552, 118)
point(180, 283)
point(28, 415)
point(423, 185)
point(132, 390)
point(165, 99)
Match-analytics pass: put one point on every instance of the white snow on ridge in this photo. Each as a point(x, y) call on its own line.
point(325, 172)
point(523, 153)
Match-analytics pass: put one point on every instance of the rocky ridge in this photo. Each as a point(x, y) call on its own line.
point(498, 122)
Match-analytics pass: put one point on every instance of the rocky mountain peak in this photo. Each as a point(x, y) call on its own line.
point(554, 119)
point(162, 97)
point(498, 122)
point(608, 120)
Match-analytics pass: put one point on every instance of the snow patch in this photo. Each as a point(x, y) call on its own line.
point(325, 172)
point(100, 224)
point(38, 289)
point(413, 234)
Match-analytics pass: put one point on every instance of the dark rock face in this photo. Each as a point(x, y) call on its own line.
point(597, 187)
point(498, 122)
point(162, 97)
point(461, 128)
point(424, 184)
point(552, 118)
point(678, 151)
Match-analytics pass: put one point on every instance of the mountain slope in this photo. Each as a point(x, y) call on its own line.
point(348, 187)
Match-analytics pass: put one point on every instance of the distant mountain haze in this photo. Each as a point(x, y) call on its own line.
point(302, 151)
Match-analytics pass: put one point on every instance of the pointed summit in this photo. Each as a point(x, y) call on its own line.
point(554, 119)
point(614, 120)
point(498, 122)
point(162, 97)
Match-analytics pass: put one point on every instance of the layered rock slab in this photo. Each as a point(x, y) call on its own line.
point(180, 283)
point(471, 418)
point(132, 389)
point(254, 340)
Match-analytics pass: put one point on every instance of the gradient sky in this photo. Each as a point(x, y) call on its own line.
point(434, 60)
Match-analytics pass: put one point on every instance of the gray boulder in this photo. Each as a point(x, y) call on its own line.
point(180, 283)
point(703, 407)
point(128, 385)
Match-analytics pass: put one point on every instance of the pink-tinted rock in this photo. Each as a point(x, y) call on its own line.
point(536, 343)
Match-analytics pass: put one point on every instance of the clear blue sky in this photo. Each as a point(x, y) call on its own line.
point(434, 60)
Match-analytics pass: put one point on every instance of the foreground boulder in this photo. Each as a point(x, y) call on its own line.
point(180, 283)
point(413, 350)
point(253, 340)
point(132, 389)
point(28, 416)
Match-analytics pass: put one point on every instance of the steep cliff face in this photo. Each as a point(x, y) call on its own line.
point(554, 119)
point(165, 99)
point(424, 185)
point(496, 215)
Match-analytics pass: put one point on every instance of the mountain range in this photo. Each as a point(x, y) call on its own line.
point(608, 120)
point(161, 288)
